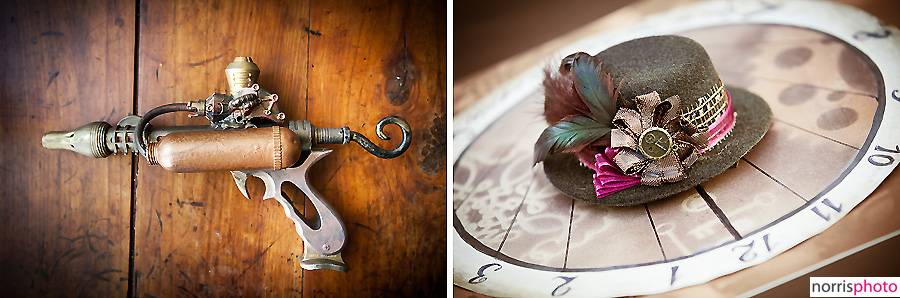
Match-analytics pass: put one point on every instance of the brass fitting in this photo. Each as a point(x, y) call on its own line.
point(87, 140)
point(99, 139)
point(241, 73)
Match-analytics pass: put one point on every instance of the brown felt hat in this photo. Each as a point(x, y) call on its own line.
point(669, 65)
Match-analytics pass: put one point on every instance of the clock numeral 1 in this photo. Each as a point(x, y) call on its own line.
point(829, 204)
point(480, 278)
point(674, 269)
point(883, 159)
point(882, 149)
point(749, 253)
point(769, 245)
point(566, 280)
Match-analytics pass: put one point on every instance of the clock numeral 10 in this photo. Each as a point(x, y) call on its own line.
point(480, 278)
point(566, 280)
point(883, 159)
point(750, 254)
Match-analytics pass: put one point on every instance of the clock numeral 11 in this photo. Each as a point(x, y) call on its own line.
point(826, 214)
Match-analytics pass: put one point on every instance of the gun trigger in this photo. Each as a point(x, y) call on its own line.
point(240, 178)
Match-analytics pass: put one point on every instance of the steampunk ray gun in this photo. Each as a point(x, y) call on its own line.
point(247, 136)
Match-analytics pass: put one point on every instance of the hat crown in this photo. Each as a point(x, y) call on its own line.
point(668, 64)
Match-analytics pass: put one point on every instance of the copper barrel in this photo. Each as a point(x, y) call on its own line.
point(226, 150)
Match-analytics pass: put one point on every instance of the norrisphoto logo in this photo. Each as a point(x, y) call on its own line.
point(854, 287)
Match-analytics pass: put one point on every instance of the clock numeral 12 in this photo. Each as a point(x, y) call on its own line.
point(749, 254)
point(566, 280)
point(883, 159)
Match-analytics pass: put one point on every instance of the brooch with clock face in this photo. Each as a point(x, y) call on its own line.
point(834, 92)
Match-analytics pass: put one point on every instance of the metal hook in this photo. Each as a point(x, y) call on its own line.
point(379, 130)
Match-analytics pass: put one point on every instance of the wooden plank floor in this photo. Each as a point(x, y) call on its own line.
point(77, 226)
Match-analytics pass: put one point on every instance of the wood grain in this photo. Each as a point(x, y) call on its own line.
point(390, 57)
point(65, 216)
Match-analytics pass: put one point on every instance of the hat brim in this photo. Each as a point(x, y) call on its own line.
point(753, 119)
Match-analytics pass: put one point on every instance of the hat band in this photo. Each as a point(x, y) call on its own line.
point(721, 128)
point(708, 108)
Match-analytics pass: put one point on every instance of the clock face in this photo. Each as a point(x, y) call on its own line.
point(832, 142)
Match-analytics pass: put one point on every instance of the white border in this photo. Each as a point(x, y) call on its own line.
point(842, 22)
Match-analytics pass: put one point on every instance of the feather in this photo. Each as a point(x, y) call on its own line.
point(571, 134)
point(615, 93)
point(580, 103)
point(566, 65)
point(560, 97)
point(595, 88)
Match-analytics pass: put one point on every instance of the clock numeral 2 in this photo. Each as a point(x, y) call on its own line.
point(566, 280)
point(749, 254)
point(883, 159)
point(826, 202)
point(480, 278)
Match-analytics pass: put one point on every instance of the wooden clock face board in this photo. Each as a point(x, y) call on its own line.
point(833, 140)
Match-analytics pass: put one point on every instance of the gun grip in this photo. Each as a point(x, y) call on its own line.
point(328, 239)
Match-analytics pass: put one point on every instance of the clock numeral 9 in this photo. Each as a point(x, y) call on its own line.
point(883, 159)
point(749, 254)
point(480, 278)
point(566, 280)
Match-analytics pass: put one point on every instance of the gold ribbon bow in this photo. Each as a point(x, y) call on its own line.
point(657, 142)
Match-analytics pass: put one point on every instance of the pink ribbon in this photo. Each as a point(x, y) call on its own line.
point(720, 128)
point(609, 178)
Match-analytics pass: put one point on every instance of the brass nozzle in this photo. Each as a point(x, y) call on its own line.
point(87, 140)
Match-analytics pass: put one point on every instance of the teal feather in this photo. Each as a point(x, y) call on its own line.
point(583, 126)
point(571, 134)
point(595, 89)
